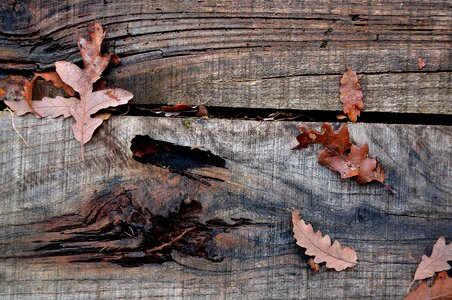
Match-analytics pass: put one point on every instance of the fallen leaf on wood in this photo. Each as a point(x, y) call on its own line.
point(441, 289)
point(351, 95)
point(335, 256)
point(436, 262)
point(80, 80)
point(340, 155)
point(421, 63)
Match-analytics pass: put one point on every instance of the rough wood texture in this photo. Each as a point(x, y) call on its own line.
point(46, 184)
point(276, 54)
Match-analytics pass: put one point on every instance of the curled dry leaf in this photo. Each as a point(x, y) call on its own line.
point(436, 262)
point(335, 256)
point(441, 289)
point(340, 155)
point(351, 95)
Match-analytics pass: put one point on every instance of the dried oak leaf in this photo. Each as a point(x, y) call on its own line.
point(351, 95)
point(436, 262)
point(441, 289)
point(335, 256)
point(80, 80)
point(340, 155)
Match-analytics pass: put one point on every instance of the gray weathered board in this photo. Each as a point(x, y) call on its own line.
point(246, 53)
point(263, 180)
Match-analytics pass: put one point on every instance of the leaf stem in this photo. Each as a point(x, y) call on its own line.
point(14, 127)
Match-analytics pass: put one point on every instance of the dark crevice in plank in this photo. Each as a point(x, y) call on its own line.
point(303, 115)
point(176, 158)
point(116, 226)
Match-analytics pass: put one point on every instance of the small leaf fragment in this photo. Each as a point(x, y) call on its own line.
point(421, 63)
point(335, 256)
point(351, 95)
point(313, 265)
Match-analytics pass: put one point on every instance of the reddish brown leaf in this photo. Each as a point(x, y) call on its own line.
point(335, 256)
point(177, 107)
point(56, 80)
point(337, 142)
point(2, 93)
point(421, 63)
point(436, 262)
point(441, 289)
point(351, 95)
point(341, 117)
point(340, 155)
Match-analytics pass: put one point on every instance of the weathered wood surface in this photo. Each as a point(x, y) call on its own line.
point(46, 184)
point(275, 54)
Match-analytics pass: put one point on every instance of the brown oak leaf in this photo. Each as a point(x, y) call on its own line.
point(80, 80)
point(351, 95)
point(436, 262)
point(335, 256)
point(441, 289)
point(340, 155)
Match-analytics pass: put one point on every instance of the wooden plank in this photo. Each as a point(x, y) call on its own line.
point(45, 185)
point(269, 55)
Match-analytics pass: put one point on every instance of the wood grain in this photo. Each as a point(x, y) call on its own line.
point(263, 181)
point(277, 54)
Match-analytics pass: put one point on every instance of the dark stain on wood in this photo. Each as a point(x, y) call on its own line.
point(114, 227)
